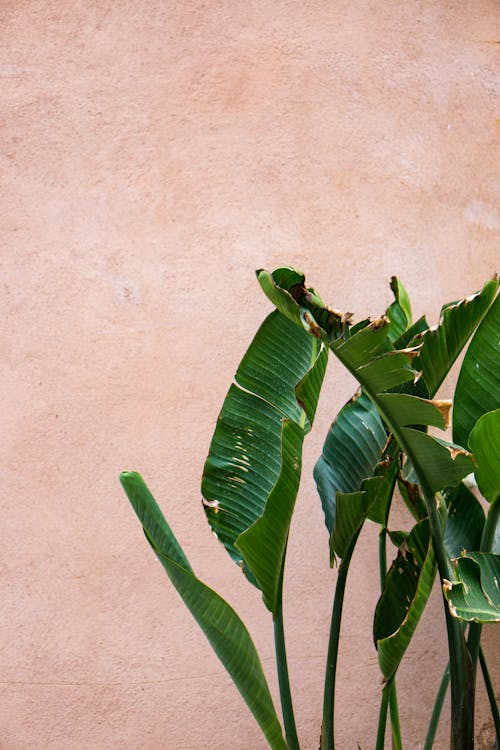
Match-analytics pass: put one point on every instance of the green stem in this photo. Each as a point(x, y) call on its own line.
point(327, 730)
point(397, 742)
point(491, 694)
point(382, 556)
point(461, 677)
point(438, 707)
point(393, 697)
point(382, 717)
point(283, 678)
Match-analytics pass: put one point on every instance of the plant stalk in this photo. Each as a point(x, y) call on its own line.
point(282, 668)
point(382, 717)
point(491, 694)
point(382, 556)
point(397, 742)
point(436, 711)
point(327, 728)
point(461, 675)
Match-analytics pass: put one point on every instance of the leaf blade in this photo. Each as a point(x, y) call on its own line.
point(221, 625)
point(251, 475)
point(478, 384)
point(408, 585)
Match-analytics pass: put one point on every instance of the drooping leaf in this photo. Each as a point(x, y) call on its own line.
point(478, 384)
point(474, 595)
point(251, 476)
point(285, 287)
point(464, 523)
point(442, 345)
point(225, 631)
point(484, 442)
point(408, 585)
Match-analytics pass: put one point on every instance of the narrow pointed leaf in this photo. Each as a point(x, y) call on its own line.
point(478, 384)
point(474, 595)
point(485, 444)
point(225, 631)
point(407, 588)
point(251, 476)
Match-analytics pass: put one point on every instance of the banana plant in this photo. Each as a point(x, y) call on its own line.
point(379, 442)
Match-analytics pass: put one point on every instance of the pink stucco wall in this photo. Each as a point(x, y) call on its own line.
point(153, 154)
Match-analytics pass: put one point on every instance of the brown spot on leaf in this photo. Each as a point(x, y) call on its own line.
point(454, 452)
point(313, 327)
point(379, 322)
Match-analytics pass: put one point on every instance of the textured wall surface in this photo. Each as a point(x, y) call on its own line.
point(153, 154)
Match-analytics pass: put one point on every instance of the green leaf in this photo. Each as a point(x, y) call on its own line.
point(408, 585)
point(251, 476)
point(399, 313)
point(412, 497)
point(437, 464)
point(478, 385)
point(352, 449)
point(474, 595)
point(464, 523)
point(411, 410)
point(441, 465)
point(353, 508)
point(442, 345)
point(285, 287)
point(225, 631)
point(484, 442)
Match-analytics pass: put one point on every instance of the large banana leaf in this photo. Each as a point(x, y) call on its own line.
point(353, 482)
point(474, 595)
point(478, 385)
point(251, 476)
point(407, 588)
point(225, 631)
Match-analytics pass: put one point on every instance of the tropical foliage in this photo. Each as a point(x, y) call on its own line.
point(384, 440)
